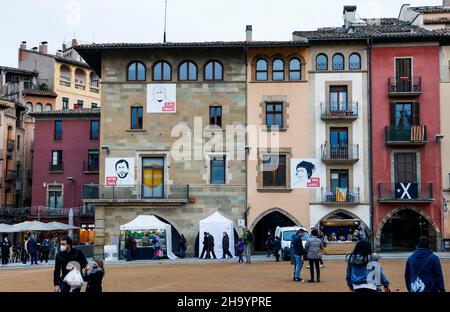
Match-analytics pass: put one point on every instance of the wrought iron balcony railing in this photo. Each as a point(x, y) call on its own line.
point(335, 110)
point(413, 135)
point(405, 192)
point(341, 152)
point(404, 86)
point(338, 196)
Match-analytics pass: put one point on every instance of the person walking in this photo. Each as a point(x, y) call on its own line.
point(24, 252)
point(423, 271)
point(297, 253)
point(32, 249)
point(66, 254)
point(240, 247)
point(133, 249)
point(128, 247)
point(5, 246)
point(269, 244)
point(205, 245)
point(248, 239)
point(211, 246)
point(93, 275)
point(226, 246)
point(45, 250)
point(364, 272)
point(182, 246)
point(277, 248)
point(156, 246)
point(313, 250)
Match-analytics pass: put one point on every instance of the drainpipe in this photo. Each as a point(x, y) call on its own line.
point(369, 117)
point(246, 149)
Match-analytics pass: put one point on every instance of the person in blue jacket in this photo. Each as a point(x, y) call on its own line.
point(364, 272)
point(423, 272)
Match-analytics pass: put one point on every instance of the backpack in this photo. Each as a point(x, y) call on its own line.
point(416, 283)
point(250, 236)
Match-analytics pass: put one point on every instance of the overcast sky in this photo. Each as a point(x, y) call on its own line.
point(187, 20)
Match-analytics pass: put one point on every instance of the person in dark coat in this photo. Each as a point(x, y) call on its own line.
point(298, 253)
point(269, 244)
point(128, 247)
point(182, 245)
point(45, 250)
point(205, 245)
point(66, 255)
point(93, 275)
point(226, 246)
point(211, 246)
point(423, 271)
point(5, 246)
point(277, 248)
point(133, 249)
point(32, 249)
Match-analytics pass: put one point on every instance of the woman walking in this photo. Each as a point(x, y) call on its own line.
point(313, 248)
point(93, 275)
point(240, 249)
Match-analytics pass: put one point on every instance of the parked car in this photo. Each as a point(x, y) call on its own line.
point(286, 233)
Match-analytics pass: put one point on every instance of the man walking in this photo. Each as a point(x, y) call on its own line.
point(269, 244)
point(248, 239)
point(5, 246)
point(423, 271)
point(298, 252)
point(226, 246)
point(32, 249)
point(211, 246)
point(277, 248)
point(45, 250)
point(128, 247)
point(205, 245)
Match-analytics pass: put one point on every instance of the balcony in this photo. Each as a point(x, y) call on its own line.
point(414, 135)
point(340, 196)
point(89, 167)
point(404, 86)
point(56, 167)
point(340, 154)
point(405, 192)
point(64, 81)
point(52, 212)
point(94, 89)
point(14, 212)
point(11, 175)
point(80, 85)
point(11, 145)
point(138, 195)
point(336, 111)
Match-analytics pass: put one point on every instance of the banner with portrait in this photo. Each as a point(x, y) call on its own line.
point(119, 172)
point(305, 173)
point(162, 98)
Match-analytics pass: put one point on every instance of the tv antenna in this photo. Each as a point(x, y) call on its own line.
point(165, 21)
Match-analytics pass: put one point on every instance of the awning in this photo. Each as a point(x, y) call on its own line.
point(340, 222)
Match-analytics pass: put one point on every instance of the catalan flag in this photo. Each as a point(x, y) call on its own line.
point(417, 133)
point(341, 194)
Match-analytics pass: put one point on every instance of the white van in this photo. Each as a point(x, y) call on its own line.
point(285, 234)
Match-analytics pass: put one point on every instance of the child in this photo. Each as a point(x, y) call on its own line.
point(240, 249)
point(93, 275)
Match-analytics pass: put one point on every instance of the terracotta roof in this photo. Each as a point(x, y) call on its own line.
point(67, 113)
point(60, 59)
point(160, 45)
point(18, 71)
point(36, 92)
point(432, 9)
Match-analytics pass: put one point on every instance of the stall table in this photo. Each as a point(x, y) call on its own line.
point(339, 248)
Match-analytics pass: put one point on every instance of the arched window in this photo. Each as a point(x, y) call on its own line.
point(338, 62)
point(278, 69)
point(213, 71)
point(295, 69)
point(187, 71)
point(136, 72)
point(38, 108)
point(48, 107)
point(80, 76)
point(321, 62)
point(162, 71)
point(261, 69)
point(29, 107)
point(354, 61)
point(93, 79)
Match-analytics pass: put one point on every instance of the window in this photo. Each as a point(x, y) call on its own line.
point(338, 99)
point(95, 129)
point(261, 69)
point(215, 116)
point(48, 107)
point(278, 69)
point(93, 157)
point(94, 105)
point(56, 163)
point(79, 104)
point(54, 195)
point(404, 115)
point(187, 71)
point(136, 72)
point(405, 167)
point(354, 61)
point(29, 107)
point(274, 171)
point(295, 69)
point(18, 142)
point(136, 117)
point(274, 115)
point(153, 177)
point(58, 130)
point(162, 71)
point(339, 179)
point(338, 62)
point(65, 103)
point(218, 170)
point(339, 143)
point(213, 71)
point(321, 62)
point(38, 108)
point(403, 74)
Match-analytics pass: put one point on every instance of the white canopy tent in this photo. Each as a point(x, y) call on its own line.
point(216, 224)
point(6, 228)
point(150, 222)
point(35, 226)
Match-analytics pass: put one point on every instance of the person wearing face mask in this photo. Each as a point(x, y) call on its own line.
point(5, 245)
point(67, 254)
point(93, 275)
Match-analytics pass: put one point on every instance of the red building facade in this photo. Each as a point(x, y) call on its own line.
point(406, 172)
point(66, 166)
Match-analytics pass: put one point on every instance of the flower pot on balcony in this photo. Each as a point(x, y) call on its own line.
point(191, 200)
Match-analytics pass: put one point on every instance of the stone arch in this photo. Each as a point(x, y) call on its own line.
point(269, 211)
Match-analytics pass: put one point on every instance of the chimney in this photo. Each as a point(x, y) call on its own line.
point(349, 15)
point(34, 49)
point(249, 32)
point(64, 47)
point(74, 43)
point(43, 47)
point(446, 3)
point(23, 45)
point(59, 53)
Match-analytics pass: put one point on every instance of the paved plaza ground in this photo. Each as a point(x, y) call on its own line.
point(199, 276)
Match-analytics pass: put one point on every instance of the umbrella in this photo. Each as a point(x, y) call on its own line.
point(6, 228)
point(30, 226)
point(61, 226)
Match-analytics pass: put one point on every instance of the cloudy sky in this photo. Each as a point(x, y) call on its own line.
point(89, 21)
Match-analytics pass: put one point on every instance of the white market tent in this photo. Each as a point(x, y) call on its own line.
point(6, 228)
point(216, 224)
point(150, 222)
point(35, 226)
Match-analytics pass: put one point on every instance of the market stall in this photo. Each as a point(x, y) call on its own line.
point(216, 224)
point(341, 235)
point(143, 229)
